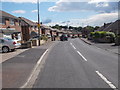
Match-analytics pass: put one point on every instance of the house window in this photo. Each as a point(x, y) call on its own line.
point(12, 22)
point(2, 21)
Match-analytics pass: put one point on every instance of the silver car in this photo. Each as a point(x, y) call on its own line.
point(7, 45)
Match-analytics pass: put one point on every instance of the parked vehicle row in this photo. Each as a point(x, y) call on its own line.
point(8, 44)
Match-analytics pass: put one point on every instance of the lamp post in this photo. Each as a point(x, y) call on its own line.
point(38, 23)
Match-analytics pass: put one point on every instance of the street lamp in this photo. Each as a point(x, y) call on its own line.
point(38, 23)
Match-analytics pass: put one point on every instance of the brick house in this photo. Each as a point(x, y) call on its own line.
point(10, 26)
point(29, 28)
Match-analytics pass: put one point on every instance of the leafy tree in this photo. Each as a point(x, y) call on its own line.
point(96, 27)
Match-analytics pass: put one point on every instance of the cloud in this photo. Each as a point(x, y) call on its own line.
point(19, 11)
point(102, 18)
point(28, 1)
point(95, 20)
point(47, 21)
point(62, 6)
point(34, 11)
point(35, 1)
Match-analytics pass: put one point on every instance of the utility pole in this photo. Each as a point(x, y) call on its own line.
point(38, 23)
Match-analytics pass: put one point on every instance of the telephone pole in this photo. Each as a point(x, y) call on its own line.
point(38, 23)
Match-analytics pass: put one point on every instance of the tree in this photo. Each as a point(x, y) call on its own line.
point(96, 27)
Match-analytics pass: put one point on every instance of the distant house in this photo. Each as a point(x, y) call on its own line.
point(10, 26)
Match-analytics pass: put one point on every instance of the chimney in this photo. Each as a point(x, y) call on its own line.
point(104, 25)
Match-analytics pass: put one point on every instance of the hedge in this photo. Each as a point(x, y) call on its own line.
point(102, 34)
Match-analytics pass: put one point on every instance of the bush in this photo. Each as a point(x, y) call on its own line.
point(44, 37)
point(102, 35)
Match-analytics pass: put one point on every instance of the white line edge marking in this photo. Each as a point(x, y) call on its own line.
point(81, 55)
point(106, 80)
point(34, 69)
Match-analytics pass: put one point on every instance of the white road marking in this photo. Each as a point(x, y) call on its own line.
point(73, 46)
point(34, 70)
point(106, 80)
point(81, 55)
point(71, 43)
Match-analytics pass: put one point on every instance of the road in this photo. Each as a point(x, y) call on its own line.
point(75, 64)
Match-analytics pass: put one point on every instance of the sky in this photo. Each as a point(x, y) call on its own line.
point(65, 12)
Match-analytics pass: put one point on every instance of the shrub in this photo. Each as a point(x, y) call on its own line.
point(92, 34)
point(102, 35)
point(44, 37)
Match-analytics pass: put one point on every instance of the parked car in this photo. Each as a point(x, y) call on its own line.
point(74, 37)
point(7, 45)
point(48, 35)
point(63, 37)
point(16, 42)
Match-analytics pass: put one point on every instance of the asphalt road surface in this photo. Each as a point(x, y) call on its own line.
point(16, 70)
point(75, 64)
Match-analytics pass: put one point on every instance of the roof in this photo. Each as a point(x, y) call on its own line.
point(5, 14)
point(114, 27)
point(8, 32)
point(102, 27)
point(28, 21)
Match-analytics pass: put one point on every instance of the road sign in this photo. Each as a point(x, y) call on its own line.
point(38, 25)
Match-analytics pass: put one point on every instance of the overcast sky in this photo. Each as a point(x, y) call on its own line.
point(63, 12)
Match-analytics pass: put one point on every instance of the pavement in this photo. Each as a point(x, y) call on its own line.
point(105, 46)
point(75, 64)
point(17, 69)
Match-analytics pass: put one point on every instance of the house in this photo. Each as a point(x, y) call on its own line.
point(10, 26)
point(111, 27)
point(103, 27)
point(29, 28)
point(114, 27)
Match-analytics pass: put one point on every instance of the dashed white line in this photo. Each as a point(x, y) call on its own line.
point(106, 80)
point(73, 46)
point(71, 43)
point(81, 55)
point(78, 52)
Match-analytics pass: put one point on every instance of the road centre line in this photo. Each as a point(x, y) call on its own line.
point(81, 55)
point(71, 43)
point(73, 46)
point(34, 70)
point(106, 80)
point(78, 52)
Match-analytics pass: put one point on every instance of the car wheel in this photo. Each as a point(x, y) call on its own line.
point(5, 49)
